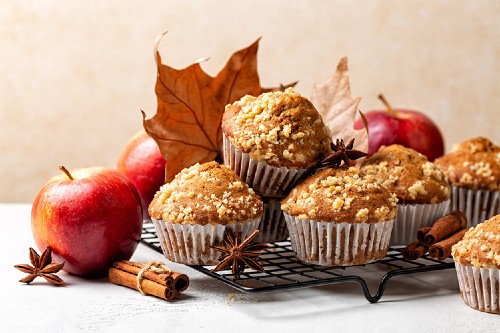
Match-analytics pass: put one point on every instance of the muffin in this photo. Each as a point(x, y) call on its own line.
point(273, 225)
point(477, 261)
point(339, 217)
point(192, 212)
point(421, 188)
point(271, 140)
point(473, 170)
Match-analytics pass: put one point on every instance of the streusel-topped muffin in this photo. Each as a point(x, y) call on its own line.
point(473, 164)
point(341, 194)
point(191, 212)
point(340, 216)
point(421, 187)
point(207, 193)
point(477, 260)
point(480, 246)
point(473, 170)
point(408, 174)
point(282, 128)
point(271, 139)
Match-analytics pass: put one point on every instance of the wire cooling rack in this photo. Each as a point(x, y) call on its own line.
point(283, 271)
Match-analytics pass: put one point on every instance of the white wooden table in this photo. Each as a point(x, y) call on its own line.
point(425, 302)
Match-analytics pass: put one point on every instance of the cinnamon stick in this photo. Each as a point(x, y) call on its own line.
point(421, 233)
point(181, 282)
point(178, 281)
point(154, 280)
point(135, 268)
point(442, 250)
point(123, 278)
point(444, 227)
point(414, 251)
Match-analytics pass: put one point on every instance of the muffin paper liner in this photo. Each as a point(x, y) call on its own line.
point(479, 287)
point(263, 178)
point(478, 205)
point(273, 225)
point(410, 218)
point(338, 244)
point(190, 244)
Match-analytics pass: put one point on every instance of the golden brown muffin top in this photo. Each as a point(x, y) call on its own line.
point(480, 246)
point(207, 193)
point(473, 164)
point(409, 174)
point(341, 195)
point(280, 128)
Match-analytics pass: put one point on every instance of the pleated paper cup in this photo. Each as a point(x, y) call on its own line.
point(410, 218)
point(338, 244)
point(263, 178)
point(479, 287)
point(190, 244)
point(273, 225)
point(478, 205)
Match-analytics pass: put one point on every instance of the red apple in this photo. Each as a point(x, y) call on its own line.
point(409, 128)
point(142, 162)
point(89, 217)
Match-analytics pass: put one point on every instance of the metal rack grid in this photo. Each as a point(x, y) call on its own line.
point(283, 271)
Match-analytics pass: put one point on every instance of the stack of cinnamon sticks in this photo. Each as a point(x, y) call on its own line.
point(438, 239)
point(165, 284)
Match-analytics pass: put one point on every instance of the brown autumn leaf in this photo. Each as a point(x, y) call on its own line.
point(186, 125)
point(338, 108)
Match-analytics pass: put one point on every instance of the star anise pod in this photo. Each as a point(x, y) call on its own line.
point(237, 254)
point(341, 152)
point(42, 266)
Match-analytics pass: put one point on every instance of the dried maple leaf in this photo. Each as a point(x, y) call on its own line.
point(186, 125)
point(338, 108)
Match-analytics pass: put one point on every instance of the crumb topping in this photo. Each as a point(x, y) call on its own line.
point(341, 195)
point(206, 193)
point(408, 174)
point(474, 163)
point(280, 128)
point(480, 246)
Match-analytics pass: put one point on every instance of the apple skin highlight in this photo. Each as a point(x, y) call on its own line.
point(88, 221)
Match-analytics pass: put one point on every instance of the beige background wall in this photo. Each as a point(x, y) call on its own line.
point(75, 74)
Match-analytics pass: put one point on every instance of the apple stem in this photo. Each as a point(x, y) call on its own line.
point(390, 110)
point(63, 169)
